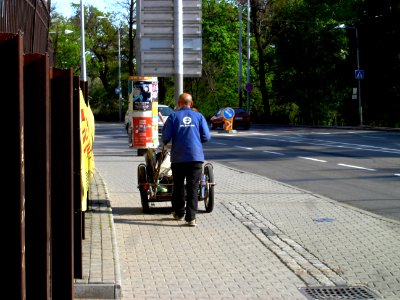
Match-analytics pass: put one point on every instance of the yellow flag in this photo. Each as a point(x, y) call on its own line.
point(87, 158)
point(91, 126)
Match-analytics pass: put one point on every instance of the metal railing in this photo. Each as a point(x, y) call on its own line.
point(31, 18)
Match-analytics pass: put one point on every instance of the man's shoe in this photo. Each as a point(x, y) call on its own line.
point(176, 217)
point(191, 223)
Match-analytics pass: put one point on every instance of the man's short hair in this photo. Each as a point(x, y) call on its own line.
point(185, 99)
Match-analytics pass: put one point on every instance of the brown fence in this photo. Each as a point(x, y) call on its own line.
point(30, 17)
point(42, 217)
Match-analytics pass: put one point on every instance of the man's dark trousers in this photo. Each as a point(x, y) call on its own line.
point(192, 172)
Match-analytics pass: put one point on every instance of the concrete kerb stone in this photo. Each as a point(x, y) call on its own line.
point(101, 272)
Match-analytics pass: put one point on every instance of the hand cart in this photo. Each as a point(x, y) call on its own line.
point(155, 182)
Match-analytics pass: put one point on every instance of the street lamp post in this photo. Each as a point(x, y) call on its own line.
point(248, 55)
point(119, 69)
point(241, 3)
point(240, 80)
point(344, 26)
point(119, 75)
point(83, 58)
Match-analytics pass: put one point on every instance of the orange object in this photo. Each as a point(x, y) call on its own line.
point(142, 131)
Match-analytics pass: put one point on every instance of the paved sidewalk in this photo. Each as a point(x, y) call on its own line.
point(263, 240)
point(100, 263)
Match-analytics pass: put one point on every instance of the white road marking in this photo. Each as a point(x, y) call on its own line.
point(247, 148)
point(277, 153)
point(356, 167)
point(314, 159)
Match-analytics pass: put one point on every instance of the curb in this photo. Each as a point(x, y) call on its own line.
point(99, 283)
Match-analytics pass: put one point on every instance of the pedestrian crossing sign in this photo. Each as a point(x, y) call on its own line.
point(359, 74)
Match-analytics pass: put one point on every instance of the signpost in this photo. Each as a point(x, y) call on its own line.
point(156, 38)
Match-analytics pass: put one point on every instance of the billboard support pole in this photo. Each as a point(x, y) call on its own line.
point(178, 50)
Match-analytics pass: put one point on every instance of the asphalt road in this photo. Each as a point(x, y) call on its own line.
point(358, 167)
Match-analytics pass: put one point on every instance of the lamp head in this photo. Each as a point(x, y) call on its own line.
point(340, 26)
point(343, 26)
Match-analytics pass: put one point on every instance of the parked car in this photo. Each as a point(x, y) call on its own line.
point(165, 111)
point(240, 120)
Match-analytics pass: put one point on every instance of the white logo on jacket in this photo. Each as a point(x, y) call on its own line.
point(187, 122)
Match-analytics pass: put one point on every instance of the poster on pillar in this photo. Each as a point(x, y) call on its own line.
point(144, 101)
point(145, 92)
point(142, 133)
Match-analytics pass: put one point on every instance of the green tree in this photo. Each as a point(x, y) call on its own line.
point(101, 41)
point(379, 29)
point(65, 36)
point(218, 84)
point(302, 68)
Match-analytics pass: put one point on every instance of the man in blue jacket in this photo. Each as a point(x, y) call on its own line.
point(188, 130)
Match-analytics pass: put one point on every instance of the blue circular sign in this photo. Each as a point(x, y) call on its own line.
point(249, 87)
point(229, 113)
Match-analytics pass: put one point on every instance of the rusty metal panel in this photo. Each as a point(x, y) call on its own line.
point(62, 203)
point(79, 229)
point(12, 121)
point(37, 175)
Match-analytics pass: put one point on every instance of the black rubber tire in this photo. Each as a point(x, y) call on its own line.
point(144, 197)
point(141, 151)
point(209, 201)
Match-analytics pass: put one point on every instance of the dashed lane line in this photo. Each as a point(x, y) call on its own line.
point(241, 147)
point(313, 159)
point(309, 158)
point(356, 167)
point(272, 152)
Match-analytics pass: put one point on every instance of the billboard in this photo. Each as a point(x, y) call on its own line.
point(155, 38)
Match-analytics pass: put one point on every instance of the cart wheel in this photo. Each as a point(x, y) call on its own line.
point(150, 158)
point(142, 178)
point(141, 152)
point(209, 201)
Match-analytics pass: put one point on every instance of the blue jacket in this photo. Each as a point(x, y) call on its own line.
point(188, 130)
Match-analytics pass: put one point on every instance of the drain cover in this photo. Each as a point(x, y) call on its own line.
point(338, 292)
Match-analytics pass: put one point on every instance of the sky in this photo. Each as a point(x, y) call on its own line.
point(64, 6)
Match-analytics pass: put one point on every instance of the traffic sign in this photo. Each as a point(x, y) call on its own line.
point(249, 87)
point(228, 113)
point(359, 74)
point(228, 125)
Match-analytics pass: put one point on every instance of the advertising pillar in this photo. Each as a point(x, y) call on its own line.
point(143, 98)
